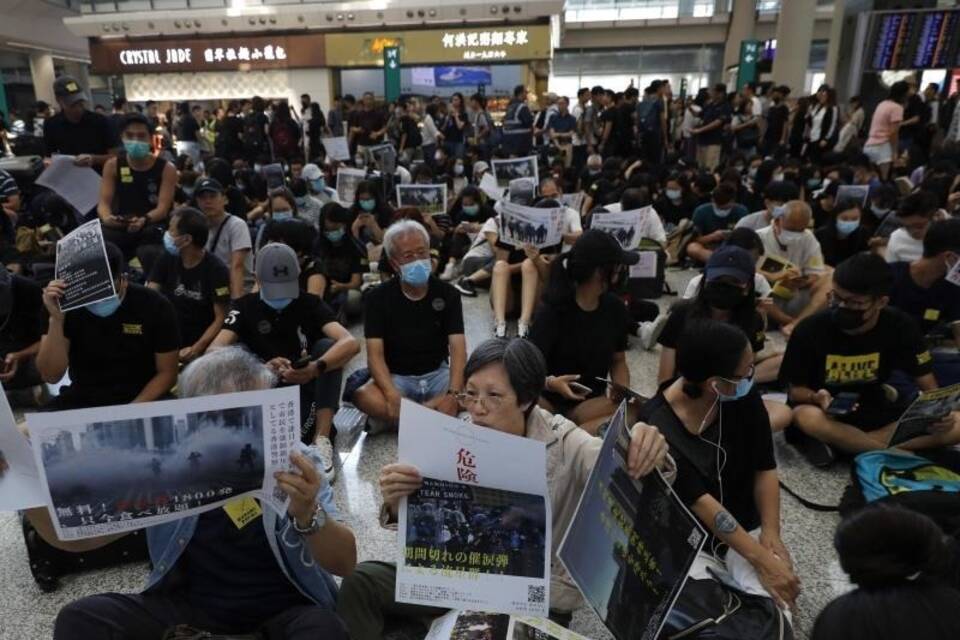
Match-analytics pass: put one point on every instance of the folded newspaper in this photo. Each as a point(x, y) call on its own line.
point(930, 407)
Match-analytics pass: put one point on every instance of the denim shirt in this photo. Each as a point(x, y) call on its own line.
point(166, 543)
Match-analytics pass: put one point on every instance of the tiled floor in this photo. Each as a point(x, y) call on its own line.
point(25, 612)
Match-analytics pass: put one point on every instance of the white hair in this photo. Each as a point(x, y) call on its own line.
point(403, 228)
point(225, 370)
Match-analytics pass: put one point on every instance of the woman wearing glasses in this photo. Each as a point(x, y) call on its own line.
point(503, 381)
point(720, 438)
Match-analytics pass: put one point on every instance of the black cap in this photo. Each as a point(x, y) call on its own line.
point(730, 261)
point(69, 90)
point(207, 184)
point(596, 247)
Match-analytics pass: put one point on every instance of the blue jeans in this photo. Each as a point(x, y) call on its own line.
point(423, 387)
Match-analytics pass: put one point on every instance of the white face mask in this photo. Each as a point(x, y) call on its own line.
point(788, 237)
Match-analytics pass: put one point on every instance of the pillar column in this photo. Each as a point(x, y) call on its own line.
point(794, 33)
point(42, 73)
point(743, 20)
point(833, 48)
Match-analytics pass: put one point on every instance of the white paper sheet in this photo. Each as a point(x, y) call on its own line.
point(430, 199)
point(488, 184)
point(624, 226)
point(477, 535)
point(520, 225)
point(80, 186)
point(513, 168)
point(646, 267)
point(113, 469)
point(347, 181)
point(20, 483)
point(337, 148)
point(953, 276)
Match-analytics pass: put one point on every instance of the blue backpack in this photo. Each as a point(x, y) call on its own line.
point(892, 472)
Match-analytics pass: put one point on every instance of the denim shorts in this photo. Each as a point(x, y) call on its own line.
point(423, 387)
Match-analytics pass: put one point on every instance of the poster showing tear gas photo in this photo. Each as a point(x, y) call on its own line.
point(336, 148)
point(631, 543)
point(520, 225)
point(477, 533)
point(474, 625)
point(347, 182)
point(430, 199)
point(167, 460)
point(384, 157)
point(82, 264)
point(513, 168)
point(623, 226)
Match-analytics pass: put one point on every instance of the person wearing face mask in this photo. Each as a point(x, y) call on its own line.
point(775, 198)
point(712, 222)
point(119, 350)
point(298, 337)
point(915, 214)
point(340, 261)
point(675, 202)
point(413, 326)
point(467, 215)
point(194, 280)
point(370, 214)
point(591, 172)
point(317, 187)
point(719, 435)
point(136, 193)
point(281, 209)
point(853, 346)
point(503, 380)
point(229, 235)
point(844, 235)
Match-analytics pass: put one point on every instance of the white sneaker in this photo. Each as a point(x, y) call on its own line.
point(523, 330)
point(325, 448)
point(650, 331)
point(501, 330)
point(449, 272)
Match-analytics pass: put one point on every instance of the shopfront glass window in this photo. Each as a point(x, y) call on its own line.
point(609, 10)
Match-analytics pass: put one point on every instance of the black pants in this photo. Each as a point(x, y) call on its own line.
point(322, 393)
point(145, 244)
point(112, 616)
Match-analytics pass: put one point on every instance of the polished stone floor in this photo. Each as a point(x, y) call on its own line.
point(26, 612)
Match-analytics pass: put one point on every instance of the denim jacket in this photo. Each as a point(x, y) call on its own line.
point(166, 543)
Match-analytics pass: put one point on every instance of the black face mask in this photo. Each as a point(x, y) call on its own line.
point(722, 295)
point(847, 319)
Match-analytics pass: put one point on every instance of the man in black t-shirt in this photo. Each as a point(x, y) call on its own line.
point(194, 280)
point(853, 347)
point(21, 326)
point(413, 326)
point(75, 130)
point(298, 337)
point(119, 350)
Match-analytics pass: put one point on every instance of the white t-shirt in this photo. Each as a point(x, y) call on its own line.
point(760, 285)
point(480, 248)
point(235, 236)
point(903, 248)
point(805, 253)
point(756, 220)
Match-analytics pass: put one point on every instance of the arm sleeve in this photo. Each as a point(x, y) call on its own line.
point(454, 319)
point(799, 361)
point(374, 322)
point(219, 280)
point(164, 327)
point(544, 331)
point(763, 457)
point(239, 236)
point(913, 355)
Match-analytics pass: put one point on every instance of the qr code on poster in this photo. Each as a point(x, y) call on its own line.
point(535, 594)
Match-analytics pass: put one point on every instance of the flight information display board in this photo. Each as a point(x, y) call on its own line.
point(914, 40)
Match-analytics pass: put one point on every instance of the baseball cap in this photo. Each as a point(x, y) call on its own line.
point(597, 247)
point(278, 271)
point(730, 261)
point(6, 291)
point(67, 88)
point(311, 172)
point(207, 184)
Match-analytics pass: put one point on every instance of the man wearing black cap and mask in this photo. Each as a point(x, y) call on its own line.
point(77, 131)
point(852, 347)
point(21, 326)
point(229, 235)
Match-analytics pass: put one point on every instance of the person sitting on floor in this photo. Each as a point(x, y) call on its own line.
point(713, 221)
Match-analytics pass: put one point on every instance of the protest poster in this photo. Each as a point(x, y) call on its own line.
point(622, 226)
point(168, 460)
point(82, 264)
point(511, 169)
point(631, 543)
point(273, 175)
point(336, 148)
point(80, 186)
point(471, 625)
point(520, 225)
point(20, 482)
point(477, 533)
point(858, 192)
point(488, 184)
point(573, 200)
point(646, 266)
point(347, 181)
point(430, 199)
point(928, 408)
point(384, 156)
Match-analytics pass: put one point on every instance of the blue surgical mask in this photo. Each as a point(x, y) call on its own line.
point(368, 205)
point(170, 244)
point(318, 185)
point(721, 213)
point(336, 235)
point(470, 210)
point(880, 212)
point(283, 214)
point(136, 149)
point(105, 308)
point(846, 227)
point(416, 273)
point(788, 237)
point(744, 385)
point(674, 194)
point(277, 304)
point(779, 210)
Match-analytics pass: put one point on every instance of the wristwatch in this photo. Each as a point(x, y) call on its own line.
point(317, 523)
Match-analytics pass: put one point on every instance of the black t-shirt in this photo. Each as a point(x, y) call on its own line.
point(369, 121)
point(777, 117)
point(742, 429)
point(415, 333)
point(409, 126)
point(819, 355)
point(228, 144)
point(187, 128)
point(93, 135)
point(26, 322)
point(193, 292)
point(836, 249)
point(680, 315)
point(575, 341)
point(113, 358)
point(339, 261)
point(610, 115)
point(674, 212)
point(933, 309)
point(276, 334)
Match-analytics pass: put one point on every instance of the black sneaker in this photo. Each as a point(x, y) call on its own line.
point(817, 453)
point(465, 287)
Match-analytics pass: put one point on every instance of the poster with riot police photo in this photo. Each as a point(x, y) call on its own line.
point(622, 226)
point(430, 199)
point(477, 533)
point(347, 182)
point(520, 225)
point(384, 157)
point(82, 264)
point(115, 469)
point(513, 168)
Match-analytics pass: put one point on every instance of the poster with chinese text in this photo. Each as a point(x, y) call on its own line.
point(82, 264)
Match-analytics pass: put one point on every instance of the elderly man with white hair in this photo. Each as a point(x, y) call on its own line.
point(269, 575)
point(413, 326)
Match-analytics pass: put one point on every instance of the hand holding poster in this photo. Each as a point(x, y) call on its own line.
point(929, 408)
point(513, 168)
point(430, 199)
point(83, 266)
point(337, 148)
point(623, 226)
point(631, 543)
point(520, 225)
point(19, 479)
point(168, 459)
point(80, 186)
point(477, 533)
point(347, 181)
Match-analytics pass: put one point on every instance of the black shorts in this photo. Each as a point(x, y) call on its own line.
point(872, 416)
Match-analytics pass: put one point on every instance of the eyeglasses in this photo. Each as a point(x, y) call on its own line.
point(490, 402)
point(847, 303)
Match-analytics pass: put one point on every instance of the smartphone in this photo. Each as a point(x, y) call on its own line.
point(302, 362)
point(582, 389)
point(843, 403)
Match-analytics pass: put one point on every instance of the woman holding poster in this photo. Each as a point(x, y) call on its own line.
point(504, 379)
